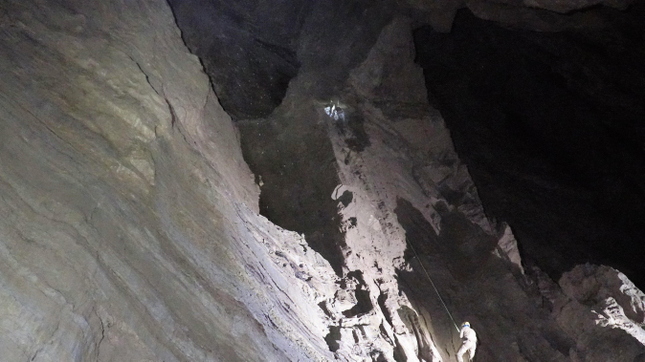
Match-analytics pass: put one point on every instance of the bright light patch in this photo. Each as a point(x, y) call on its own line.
point(613, 316)
point(335, 112)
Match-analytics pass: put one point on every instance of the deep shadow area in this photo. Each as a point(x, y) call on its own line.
point(252, 49)
point(428, 252)
point(461, 244)
point(332, 338)
point(336, 37)
point(362, 294)
point(464, 281)
point(551, 126)
point(248, 49)
point(352, 127)
point(297, 173)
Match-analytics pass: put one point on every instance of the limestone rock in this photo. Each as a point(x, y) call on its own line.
point(128, 226)
point(248, 49)
point(132, 228)
point(602, 296)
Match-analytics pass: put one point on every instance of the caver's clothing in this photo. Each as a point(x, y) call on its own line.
point(468, 343)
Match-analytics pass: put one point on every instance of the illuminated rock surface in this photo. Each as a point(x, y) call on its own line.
point(139, 222)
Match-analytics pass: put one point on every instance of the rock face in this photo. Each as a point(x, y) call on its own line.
point(252, 49)
point(616, 303)
point(130, 223)
point(551, 131)
point(248, 48)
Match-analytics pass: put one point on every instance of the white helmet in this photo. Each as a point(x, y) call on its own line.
point(466, 324)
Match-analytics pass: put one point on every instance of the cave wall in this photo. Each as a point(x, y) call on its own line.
point(248, 49)
point(132, 228)
point(416, 228)
point(550, 125)
point(128, 220)
point(357, 160)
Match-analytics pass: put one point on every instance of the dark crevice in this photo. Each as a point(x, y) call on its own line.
point(377, 356)
point(298, 175)
point(352, 127)
point(386, 312)
point(399, 354)
point(363, 301)
point(332, 338)
point(323, 307)
point(346, 198)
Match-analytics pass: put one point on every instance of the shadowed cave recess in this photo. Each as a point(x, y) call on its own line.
point(340, 180)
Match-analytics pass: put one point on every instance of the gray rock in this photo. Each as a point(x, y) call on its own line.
point(130, 226)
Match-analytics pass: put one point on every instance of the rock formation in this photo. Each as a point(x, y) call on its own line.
point(547, 123)
point(290, 192)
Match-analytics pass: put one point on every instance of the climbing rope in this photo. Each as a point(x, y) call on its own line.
point(434, 286)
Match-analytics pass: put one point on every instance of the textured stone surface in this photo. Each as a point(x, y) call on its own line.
point(129, 225)
point(408, 207)
point(615, 304)
point(247, 47)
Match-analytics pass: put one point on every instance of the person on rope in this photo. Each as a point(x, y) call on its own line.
point(468, 342)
